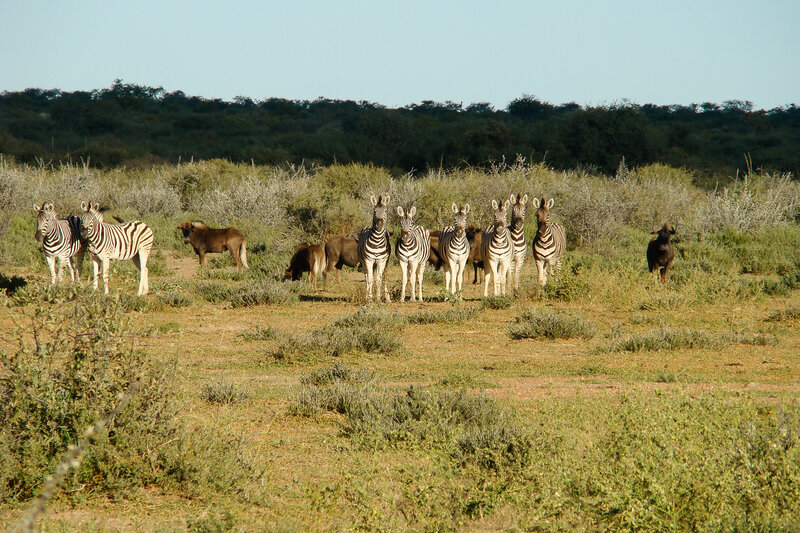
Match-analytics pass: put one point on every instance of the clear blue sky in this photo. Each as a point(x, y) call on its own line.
point(398, 53)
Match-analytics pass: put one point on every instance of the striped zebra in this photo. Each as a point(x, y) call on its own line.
point(374, 248)
point(497, 251)
point(412, 250)
point(550, 242)
point(517, 230)
point(129, 240)
point(454, 249)
point(61, 239)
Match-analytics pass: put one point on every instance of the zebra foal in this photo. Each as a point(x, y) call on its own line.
point(550, 242)
point(412, 250)
point(61, 240)
point(454, 249)
point(374, 248)
point(129, 240)
point(497, 250)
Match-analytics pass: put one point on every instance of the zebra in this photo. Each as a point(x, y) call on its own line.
point(412, 250)
point(60, 240)
point(129, 240)
point(517, 231)
point(454, 249)
point(497, 251)
point(550, 242)
point(374, 248)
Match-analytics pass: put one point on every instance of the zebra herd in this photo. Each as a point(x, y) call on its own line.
point(66, 238)
point(502, 246)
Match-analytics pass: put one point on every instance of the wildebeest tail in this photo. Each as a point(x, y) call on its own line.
point(243, 252)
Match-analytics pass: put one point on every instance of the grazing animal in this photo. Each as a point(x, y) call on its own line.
point(61, 240)
point(132, 240)
point(517, 229)
point(215, 240)
point(434, 259)
point(374, 248)
point(308, 258)
point(454, 249)
point(660, 252)
point(475, 252)
point(339, 251)
point(412, 250)
point(497, 251)
point(550, 242)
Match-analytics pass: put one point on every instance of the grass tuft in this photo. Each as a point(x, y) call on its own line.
point(547, 324)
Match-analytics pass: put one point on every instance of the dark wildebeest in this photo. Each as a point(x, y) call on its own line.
point(475, 255)
point(210, 240)
point(339, 251)
point(308, 258)
point(660, 252)
point(434, 259)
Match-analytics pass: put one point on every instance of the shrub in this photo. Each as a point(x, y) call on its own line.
point(263, 292)
point(456, 315)
point(223, 392)
point(497, 302)
point(548, 324)
point(71, 365)
point(664, 338)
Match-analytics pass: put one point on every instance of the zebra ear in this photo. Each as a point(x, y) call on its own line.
point(36, 208)
point(84, 206)
point(386, 200)
point(494, 205)
point(96, 206)
point(455, 208)
point(50, 208)
point(513, 199)
point(524, 200)
point(399, 211)
point(373, 200)
point(550, 203)
point(506, 204)
point(536, 203)
point(466, 208)
point(412, 211)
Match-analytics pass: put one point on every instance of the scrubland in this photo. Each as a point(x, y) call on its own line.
point(239, 402)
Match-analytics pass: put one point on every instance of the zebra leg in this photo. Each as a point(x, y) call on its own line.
point(404, 266)
point(71, 270)
point(106, 276)
point(51, 265)
point(461, 266)
point(95, 270)
point(487, 277)
point(368, 275)
point(381, 265)
point(79, 255)
point(503, 276)
point(420, 274)
point(412, 273)
point(542, 272)
point(448, 273)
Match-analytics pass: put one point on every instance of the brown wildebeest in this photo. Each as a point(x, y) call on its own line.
point(339, 251)
point(660, 252)
point(211, 240)
point(308, 258)
point(435, 260)
point(475, 254)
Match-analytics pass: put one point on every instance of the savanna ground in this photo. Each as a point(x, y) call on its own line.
point(606, 401)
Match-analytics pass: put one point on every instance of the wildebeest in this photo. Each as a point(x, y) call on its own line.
point(308, 258)
point(215, 240)
point(475, 254)
point(339, 251)
point(435, 259)
point(660, 252)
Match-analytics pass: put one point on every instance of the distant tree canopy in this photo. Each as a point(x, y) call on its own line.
point(132, 125)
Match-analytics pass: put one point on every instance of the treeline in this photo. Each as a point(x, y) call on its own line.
point(135, 125)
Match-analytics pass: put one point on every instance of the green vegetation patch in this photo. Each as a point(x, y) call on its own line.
point(549, 324)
